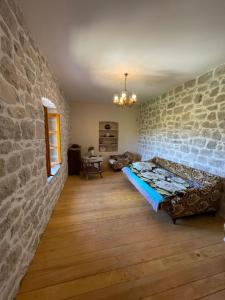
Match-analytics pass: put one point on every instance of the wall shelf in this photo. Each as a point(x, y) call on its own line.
point(108, 136)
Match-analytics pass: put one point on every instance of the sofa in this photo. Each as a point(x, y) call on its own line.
point(117, 162)
point(179, 190)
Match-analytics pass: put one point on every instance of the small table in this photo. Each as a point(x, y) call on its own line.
point(92, 165)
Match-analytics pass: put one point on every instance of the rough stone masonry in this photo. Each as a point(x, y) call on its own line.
point(187, 124)
point(26, 198)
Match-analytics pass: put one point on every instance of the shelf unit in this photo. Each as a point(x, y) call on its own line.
point(108, 136)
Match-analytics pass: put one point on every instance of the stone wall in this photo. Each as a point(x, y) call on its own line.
point(26, 198)
point(187, 124)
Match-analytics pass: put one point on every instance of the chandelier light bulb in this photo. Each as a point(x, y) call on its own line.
point(124, 95)
point(134, 97)
point(116, 99)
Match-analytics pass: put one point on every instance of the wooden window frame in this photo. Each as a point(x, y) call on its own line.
point(48, 115)
point(58, 135)
point(48, 159)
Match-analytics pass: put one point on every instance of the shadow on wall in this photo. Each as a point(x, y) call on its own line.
point(187, 124)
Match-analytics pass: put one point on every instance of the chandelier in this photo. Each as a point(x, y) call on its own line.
point(125, 99)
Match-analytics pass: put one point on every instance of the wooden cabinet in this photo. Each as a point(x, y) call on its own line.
point(108, 136)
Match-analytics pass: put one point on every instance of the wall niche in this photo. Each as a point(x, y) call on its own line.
point(108, 136)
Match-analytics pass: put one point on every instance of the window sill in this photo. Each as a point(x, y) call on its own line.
point(54, 171)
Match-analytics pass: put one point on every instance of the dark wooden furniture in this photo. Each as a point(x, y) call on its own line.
point(92, 166)
point(74, 160)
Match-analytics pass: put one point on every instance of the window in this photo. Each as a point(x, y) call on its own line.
point(53, 143)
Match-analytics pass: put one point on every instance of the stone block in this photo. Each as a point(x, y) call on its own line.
point(6, 46)
point(8, 186)
point(186, 116)
point(16, 112)
point(7, 93)
point(186, 100)
point(4, 273)
point(216, 163)
point(4, 249)
point(16, 9)
point(31, 111)
point(211, 145)
point(13, 257)
point(1, 108)
point(205, 78)
point(200, 142)
point(40, 130)
point(220, 98)
point(190, 84)
point(222, 125)
point(216, 135)
point(214, 84)
point(211, 116)
point(221, 115)
point(5, 147)
point(212, 107)
point(171, 105)
point(214, 92)
point(220, 71)
point(178, 89)
point(41, 163)
point(17, 132)
point(18, 50)
point(202, 159)
point(208, 124)
point(4, 29)
point(194, 150)
point(8, 70)
point(208, 101)
point(178, 110)
point(28, 156)
point(201, 116)
point(4, 210)
point(24, 176)
point(2, 167)
point(30, 75)
point(6, 128)
point(185, 148)
point(28, 129)
point(198, 98)
point(8, 17)
point(14, 213)
point(189, 107)
point(13, 163)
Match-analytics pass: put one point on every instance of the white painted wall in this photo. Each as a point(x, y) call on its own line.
point(85, 119)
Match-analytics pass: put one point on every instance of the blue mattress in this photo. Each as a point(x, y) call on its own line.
point(151, 195)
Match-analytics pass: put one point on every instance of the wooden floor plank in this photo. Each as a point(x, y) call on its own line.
point(161, 281)
point(104, 242)
point(193, 290)
point(215, 296)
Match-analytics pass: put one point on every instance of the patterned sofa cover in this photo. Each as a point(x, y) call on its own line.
point(117, 162)
point(201, 191)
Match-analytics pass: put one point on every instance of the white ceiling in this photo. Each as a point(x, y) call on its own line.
point(160, 43)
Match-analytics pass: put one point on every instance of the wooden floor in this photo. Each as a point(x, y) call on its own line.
point(105, 242)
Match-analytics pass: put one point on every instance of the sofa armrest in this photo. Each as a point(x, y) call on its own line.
point(194, 201)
